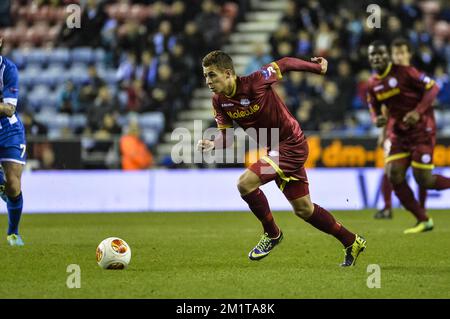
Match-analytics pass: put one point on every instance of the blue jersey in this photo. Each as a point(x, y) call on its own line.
point(12, 133)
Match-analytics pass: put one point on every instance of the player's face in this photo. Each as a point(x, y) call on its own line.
point(216, 79)
point(378, 57)
point(401, 55)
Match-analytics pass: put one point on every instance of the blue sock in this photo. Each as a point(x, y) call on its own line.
point(14, 212)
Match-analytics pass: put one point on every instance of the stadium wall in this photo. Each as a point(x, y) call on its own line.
point(196, 190)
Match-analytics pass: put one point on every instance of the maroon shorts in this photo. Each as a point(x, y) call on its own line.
point(415, 152)
point(285, 165)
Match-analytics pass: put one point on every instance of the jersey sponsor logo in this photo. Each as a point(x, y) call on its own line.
point(267, 73)
point(13, 90)
point(426, 158)
point(387, 94)
point(245, 102)
point(392, 82)
point(243, 114)
point(227, 104)
point(378, 88)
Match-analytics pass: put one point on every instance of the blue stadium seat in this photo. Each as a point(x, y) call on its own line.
point(363, 117)
point(150, 136)
point(78, 120)
point(59, 55)
point(78, 73)
point(30, 75)
point(99, 55)
point(154, 120)
point(19, 57)
point(59, 121)
point(38, 56)
point(40, 96)
point(108, 75)
point(440, 120)
point(83, 54)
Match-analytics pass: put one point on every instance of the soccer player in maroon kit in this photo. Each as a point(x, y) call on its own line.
point(408, 95)
point(401, 54)
point(251, 102)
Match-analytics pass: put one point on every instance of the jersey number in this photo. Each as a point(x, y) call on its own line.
point(23, 147)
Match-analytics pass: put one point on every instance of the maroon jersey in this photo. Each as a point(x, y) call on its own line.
point(254, 103)
point(403, 89)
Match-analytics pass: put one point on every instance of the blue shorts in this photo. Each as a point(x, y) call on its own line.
point(13, 149)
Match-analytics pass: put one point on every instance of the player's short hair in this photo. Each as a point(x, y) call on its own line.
point(377, 43)
point(219, 59)
point(398, 42)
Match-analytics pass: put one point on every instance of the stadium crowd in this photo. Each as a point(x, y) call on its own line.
point(338, 31)
point(129, 57)
point(143, 57)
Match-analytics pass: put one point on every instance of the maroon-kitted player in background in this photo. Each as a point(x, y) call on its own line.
point(408, 95)
point(251, 102)
point(401, 53)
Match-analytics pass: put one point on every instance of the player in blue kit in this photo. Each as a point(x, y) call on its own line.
point(12, 148)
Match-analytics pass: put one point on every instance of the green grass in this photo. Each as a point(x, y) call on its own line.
point(204, 255)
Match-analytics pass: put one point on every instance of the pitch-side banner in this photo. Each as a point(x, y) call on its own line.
point(197, 190)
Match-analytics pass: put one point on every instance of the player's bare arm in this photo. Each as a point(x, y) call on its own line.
point(7, 109)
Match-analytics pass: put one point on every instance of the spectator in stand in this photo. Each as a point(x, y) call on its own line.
point(137, 97)
point(281, 35)
point(104, 103)
point(194, 48)
point(165, 93)
point(5, 13)
point(91, 86)
point(127, 68)
point(134, 152)
point(164, 39)
point(330, 108)
point(147, 70)
point(68, 100)
point(443, 81)
point(32, 126)
point(260, 57)
point(303, 45)
point(131, 36)
point(209, 22)
point(109, 127)
point(93, 18)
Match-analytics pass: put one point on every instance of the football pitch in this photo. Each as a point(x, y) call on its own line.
point(204, 255)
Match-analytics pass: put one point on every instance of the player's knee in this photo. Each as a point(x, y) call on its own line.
point(304, 211)
point(13, 186)
point(247, 183)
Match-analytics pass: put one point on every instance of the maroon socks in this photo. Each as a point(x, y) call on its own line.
point(406, 197)
point(324, 221)
point(258, 204)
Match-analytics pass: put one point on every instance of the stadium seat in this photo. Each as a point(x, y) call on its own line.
point(39, 97)
point(82, 54)
point(78, 73)
point(30, 75)
point(99, 55)
point(78, 121)
point(154, 120)
point(61, 55)
point(150, 136)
